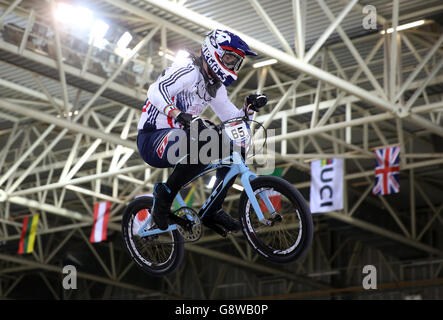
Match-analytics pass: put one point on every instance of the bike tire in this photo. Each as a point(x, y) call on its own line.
point(176, 244)
point(302, 211)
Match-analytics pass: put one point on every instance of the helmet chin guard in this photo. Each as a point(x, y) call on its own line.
point(224, 52)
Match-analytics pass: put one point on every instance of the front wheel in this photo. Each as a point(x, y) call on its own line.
point(157, 255)
point(287, 236)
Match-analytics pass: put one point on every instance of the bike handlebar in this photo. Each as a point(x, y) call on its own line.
point(244, 119)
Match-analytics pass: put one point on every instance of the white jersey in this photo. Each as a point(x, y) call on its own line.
point(182, 87)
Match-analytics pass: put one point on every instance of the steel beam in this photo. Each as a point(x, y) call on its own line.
point(263, 48)
point(418, 69)
point(12, 107)
point(271, 26)
point(82, 275)
point(81, 180)
point(49, 62)
point(58, 49)
point(254, 266)
point(299, 18)
point(325, 35)
point(9, 9)
point(26, 154)
point(29, 25)
point(383, 232)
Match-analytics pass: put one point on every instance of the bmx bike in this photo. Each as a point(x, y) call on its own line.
point(275, 218)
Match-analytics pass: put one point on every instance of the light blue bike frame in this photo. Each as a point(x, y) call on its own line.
point(237, 167)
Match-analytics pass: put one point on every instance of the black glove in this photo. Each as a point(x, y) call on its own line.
point(185, 119)
point(255, 101)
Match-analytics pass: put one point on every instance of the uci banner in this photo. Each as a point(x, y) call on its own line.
point(326, 185)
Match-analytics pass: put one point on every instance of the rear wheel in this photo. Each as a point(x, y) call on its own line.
point(288, 234)
point(157, 255)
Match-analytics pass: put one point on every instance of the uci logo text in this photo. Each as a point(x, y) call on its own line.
point(326, 192)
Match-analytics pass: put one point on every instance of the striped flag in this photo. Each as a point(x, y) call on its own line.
point(188, 200)
point(141, 216)
point(190, 197)
point(101, 219)
point(140, 219)
point(27, 239)
point(274, 196)
point(387, 171)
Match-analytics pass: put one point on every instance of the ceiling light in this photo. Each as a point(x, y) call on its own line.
point(124, 40)
point(405, 26)
point(123, 52)
point(63, 12)
point(181, 55)
point(79, 17)
point(167, 56)
point(264, 63)
point(122, 44)
point(98, 33)
point(238, 187)
point(83, 17)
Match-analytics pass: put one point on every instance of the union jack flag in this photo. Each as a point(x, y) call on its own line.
point(387, 171)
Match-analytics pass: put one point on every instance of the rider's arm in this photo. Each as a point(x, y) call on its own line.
point(174, 80)
point(224, 108)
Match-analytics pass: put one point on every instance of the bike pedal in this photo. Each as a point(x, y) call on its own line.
point(180, 221)
point(217, 229)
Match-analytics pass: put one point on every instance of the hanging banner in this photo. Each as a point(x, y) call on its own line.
point(29, 230)
point(101, 219)
point(326, 185)
point(387, 170)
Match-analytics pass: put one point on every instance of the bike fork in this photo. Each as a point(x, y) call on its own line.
point(246, 181)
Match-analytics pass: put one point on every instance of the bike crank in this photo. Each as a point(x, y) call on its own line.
point(188, 223)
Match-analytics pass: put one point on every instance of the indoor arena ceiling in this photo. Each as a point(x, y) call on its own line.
point(69, 113)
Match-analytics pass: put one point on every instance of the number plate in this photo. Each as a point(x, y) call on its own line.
point(237, 132)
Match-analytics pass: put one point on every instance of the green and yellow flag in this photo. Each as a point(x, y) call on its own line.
point(29, 230)
point(188, 200)
point(277, 172)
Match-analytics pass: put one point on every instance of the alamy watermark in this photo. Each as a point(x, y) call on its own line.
point(370, 19)
point(205, 146)
point(70, 280)
point(370, 280)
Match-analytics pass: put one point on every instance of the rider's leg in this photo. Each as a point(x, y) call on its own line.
point(215, 213)
point(164, 193)
point(154, 148)
point(156, 152)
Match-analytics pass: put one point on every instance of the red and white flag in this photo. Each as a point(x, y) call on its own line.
point(275, 198)
point(101, 219)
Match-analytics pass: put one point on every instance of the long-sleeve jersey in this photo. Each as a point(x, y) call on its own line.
point(182, 87)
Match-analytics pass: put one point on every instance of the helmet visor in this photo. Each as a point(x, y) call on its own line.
point(232, 60)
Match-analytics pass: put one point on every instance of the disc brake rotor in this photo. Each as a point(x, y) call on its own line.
point(190, 226)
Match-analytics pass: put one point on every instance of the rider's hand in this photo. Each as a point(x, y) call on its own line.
point(185, 119)
point(255, 102)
